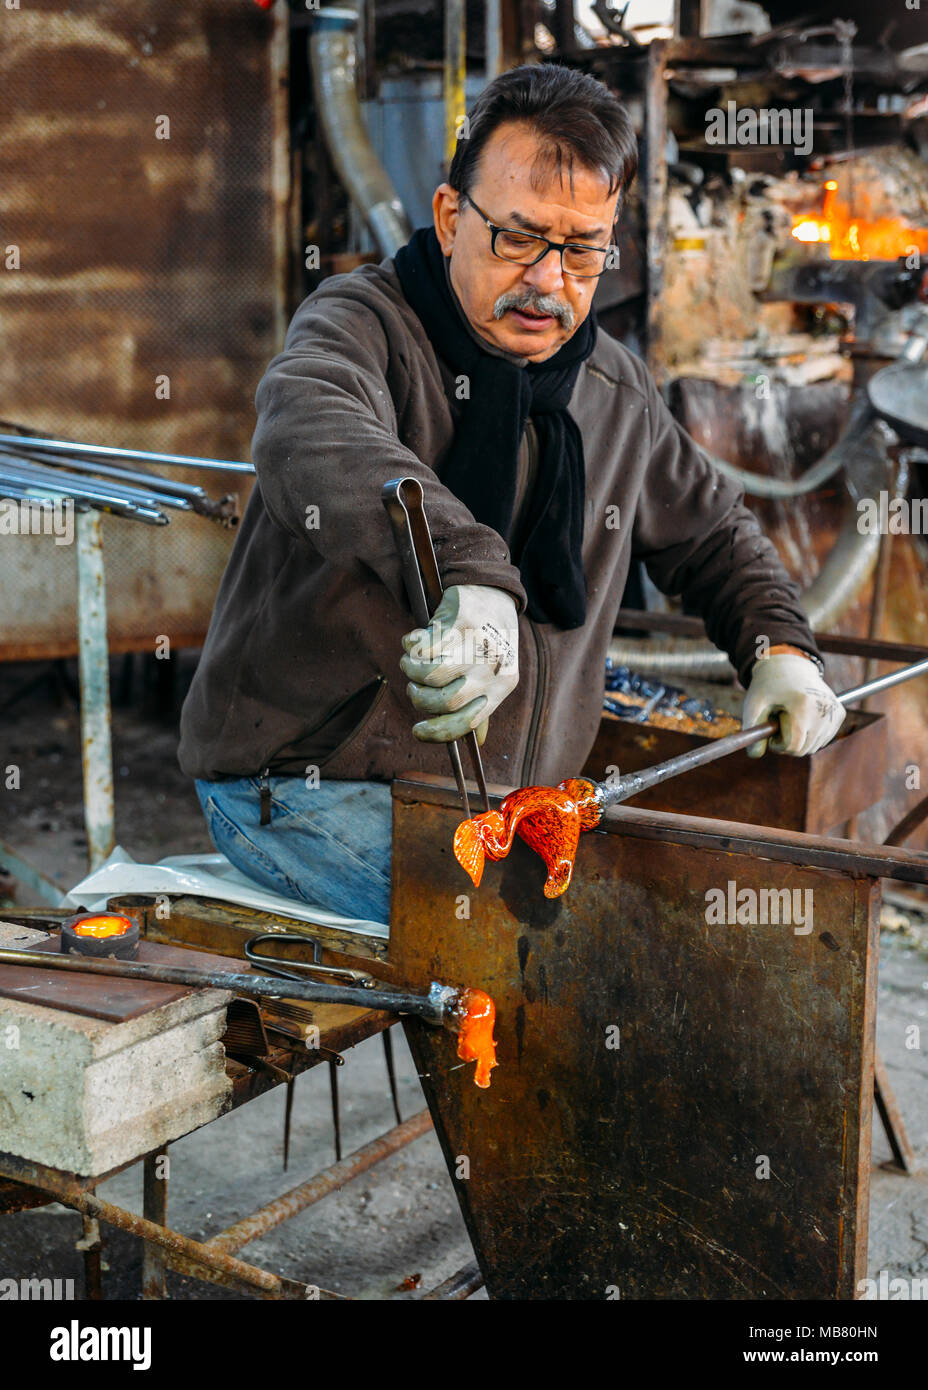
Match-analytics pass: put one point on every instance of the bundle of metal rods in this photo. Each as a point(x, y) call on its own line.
point(108, 479)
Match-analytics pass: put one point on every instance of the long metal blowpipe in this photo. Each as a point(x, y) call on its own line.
point(611, 793)
point(438, 1006)
point(197, 499)
point(91, 486)
point(12, 476)
point(107, 470)
point(69, 446)
point(23, 492)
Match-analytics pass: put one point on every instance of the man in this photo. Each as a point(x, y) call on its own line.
point(548, 461)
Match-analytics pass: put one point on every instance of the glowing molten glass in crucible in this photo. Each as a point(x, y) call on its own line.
point(107, 924)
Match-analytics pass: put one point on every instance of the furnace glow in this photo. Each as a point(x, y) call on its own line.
point(853, 238)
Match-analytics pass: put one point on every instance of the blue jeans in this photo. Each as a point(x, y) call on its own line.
point(327, 845)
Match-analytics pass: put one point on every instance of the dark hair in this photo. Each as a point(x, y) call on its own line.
point(575, 117)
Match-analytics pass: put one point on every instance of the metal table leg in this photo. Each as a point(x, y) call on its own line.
point(154, 1208)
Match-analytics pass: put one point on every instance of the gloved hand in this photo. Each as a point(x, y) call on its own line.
point(791, 688)
point(464, 664)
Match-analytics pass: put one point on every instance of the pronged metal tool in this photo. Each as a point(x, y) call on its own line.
point(294, 969)
point(402, 498)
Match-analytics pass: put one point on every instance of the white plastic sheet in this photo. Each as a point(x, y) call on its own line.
point(202, 876)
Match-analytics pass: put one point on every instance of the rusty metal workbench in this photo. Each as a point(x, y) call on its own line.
point(221, 928)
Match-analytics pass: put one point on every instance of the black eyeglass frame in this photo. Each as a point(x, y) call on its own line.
point(559, 246)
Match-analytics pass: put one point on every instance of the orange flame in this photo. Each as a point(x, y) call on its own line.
point(852, 238)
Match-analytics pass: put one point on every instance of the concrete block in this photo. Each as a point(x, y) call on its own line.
point(87, 1096)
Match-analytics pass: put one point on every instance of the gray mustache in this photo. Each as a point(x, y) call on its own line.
point(536, 304)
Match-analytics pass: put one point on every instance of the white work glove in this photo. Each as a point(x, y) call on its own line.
point(464, 664)
point(789, 687)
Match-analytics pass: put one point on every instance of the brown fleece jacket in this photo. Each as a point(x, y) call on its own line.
point(301, 663)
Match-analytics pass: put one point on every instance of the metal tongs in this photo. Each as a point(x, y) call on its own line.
point(402, 498)
point(293, 969)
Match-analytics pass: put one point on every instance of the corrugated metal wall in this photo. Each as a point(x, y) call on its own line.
point(139, 257)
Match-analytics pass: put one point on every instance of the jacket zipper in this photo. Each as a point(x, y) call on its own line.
point(541, 685)
point(264, 786)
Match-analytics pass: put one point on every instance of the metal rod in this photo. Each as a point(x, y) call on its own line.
point(90, 486)
point(66, 446)
point(41, 497)
point(314, 1189)
point(434, 1007)
point(891, 1117)
point(873, 687)
point(88, 1204)
point(909, 823)
point(94, 673)
point(457, 768)
point(91, 1247)
point(288, 1118)
point(83, 499)
point(154, 1208)
point(336, 1112)
point(653, 189)
point(900, 485)
point(457, 1286)
point(172, 486)
point(562, 24)
point(197, 496)
point(494, 39)
point(201, 1269)
point(455, 71)
point(199, 500)
point(611, 793)
point(391, 1073)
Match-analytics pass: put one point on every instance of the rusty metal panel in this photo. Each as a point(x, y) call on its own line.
point(138, 258)
point(816, 795)
point(632, 1160)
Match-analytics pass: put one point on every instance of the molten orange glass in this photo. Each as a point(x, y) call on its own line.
point(103, 926)
point(475, 1036)
point(549, 820)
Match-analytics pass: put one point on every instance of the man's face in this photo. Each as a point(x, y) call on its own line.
point(530, 310)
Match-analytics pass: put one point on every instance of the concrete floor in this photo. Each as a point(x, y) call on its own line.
point(400, 1219)
point(899, 1204)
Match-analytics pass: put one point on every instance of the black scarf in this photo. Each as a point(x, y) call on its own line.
point(480, 468)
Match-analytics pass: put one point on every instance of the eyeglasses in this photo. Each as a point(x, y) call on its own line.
point(525, 248)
